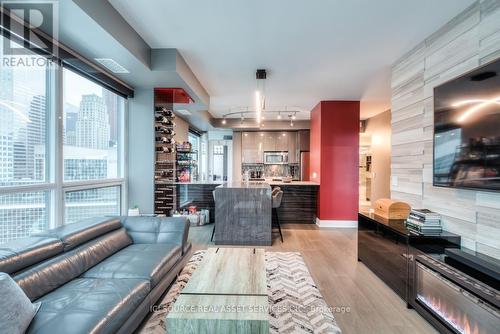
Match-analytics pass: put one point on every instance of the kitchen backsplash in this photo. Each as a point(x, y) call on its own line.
point(292, 170)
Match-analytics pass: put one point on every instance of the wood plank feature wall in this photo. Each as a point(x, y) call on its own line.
point(466, 42)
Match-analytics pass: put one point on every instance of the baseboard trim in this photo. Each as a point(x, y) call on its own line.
point(336, 223)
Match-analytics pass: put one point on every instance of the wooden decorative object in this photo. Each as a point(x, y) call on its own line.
point(392, 209)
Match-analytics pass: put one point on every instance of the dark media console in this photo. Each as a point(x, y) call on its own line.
point(455, 289)
point(385, 246)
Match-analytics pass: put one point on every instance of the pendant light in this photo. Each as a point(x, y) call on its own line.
point(260, 97)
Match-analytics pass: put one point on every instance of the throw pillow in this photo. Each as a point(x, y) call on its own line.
point(17, 309)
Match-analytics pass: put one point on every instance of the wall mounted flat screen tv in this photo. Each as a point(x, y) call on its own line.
point(467, 130)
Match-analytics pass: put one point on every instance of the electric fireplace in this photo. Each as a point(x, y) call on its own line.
point(459, 303)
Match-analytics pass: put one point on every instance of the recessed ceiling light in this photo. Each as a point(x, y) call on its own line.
point(111, 65)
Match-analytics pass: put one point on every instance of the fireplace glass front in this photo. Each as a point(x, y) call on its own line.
point(460, 310)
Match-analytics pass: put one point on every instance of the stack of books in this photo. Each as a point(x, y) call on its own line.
point(424, 221)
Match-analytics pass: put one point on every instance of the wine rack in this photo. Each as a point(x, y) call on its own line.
point(165, 162)
point(187, 164)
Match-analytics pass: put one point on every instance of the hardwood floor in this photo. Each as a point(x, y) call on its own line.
point(331, 257)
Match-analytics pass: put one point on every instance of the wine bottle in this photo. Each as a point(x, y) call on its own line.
point(164, 121)
point(164, 149)
point(165, 140)
point(167, 112)
point(164, 129)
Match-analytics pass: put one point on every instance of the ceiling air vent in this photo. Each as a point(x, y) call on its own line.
point(111, 65)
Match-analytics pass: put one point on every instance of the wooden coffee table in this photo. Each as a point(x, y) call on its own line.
point(226, 294)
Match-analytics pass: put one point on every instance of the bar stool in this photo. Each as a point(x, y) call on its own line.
point(275, 190)
point(276, 203)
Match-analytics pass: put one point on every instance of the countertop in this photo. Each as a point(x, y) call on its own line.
point(244, 185)
point(271, 183)
point(202, 182)
point(293, 183)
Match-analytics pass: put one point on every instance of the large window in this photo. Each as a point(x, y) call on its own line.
point(91, 203)
point(91, 137)
point(57, 165)
point(24, 154)
point(22, 214)
point(23, 122)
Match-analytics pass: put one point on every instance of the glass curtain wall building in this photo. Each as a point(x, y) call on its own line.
point(57, 165)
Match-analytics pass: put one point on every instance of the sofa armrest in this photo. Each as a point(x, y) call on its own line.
point(173, 230)
point(153, 230)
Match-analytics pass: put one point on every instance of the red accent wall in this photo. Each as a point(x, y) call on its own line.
point(335, 158)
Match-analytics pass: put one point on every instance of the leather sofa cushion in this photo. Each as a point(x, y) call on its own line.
point(142, 261)
point(22, 253)
point(44, 277)
point(73, 235)
point(152, 230)
point(173, 230)
point(89, 306)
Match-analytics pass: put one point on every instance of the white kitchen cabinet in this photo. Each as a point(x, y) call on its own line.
point(254, 144)
point(282, 141)
point(252, 148)
point(293, 149)
point(304, 140)
point(269, 141)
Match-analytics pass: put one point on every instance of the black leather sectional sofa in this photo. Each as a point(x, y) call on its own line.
point(100, 275)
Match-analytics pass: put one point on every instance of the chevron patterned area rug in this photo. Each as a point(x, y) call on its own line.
point(296, 305)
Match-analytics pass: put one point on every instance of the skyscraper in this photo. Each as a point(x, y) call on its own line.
point(6, 124)
point(70, 118)
point(29, 138)
point(20, 155)
point(37, 129)
point(92, 126)
point(111, 102)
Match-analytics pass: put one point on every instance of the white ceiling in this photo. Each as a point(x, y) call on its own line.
point(313, 50)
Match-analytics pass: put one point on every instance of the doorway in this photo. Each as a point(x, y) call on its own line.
point(365, 171)
point(220, 154)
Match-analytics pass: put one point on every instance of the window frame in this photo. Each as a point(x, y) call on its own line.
point(54, 182)
point(76, 185)
point(75, 188)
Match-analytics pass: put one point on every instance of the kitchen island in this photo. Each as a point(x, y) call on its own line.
point(299, 203)
point(243, 214)
point(199, 194)
point(298, 206)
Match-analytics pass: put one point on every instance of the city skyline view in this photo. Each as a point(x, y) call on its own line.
point(90, 138)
